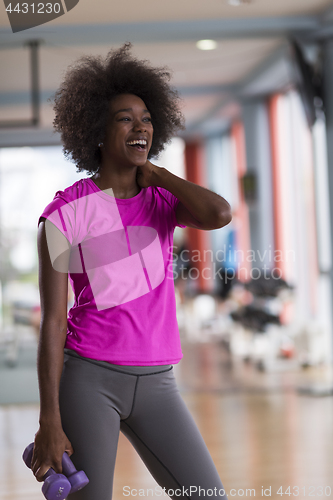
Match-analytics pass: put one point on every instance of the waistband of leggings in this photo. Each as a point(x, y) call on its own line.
point(128, 369)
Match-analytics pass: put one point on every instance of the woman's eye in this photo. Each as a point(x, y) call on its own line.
point(147, 119)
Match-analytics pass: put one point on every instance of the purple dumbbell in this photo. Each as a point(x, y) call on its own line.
point(56, 486)
point(75, 480)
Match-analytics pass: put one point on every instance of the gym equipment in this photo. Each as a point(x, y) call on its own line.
point(58, 486)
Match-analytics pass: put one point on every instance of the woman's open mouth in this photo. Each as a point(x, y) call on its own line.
point(140, 145)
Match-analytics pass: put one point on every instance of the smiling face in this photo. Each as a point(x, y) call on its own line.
point(129, 133)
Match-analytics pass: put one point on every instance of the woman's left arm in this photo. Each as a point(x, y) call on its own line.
point(198, 207)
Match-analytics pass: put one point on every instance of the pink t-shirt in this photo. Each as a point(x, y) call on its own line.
point(120, 269)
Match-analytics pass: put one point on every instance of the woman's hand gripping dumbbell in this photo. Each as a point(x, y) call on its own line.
point(58, 486)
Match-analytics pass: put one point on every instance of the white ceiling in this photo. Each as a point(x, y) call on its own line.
point(230, 62)
point(251, 55)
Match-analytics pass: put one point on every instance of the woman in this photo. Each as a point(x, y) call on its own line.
point(107, 365)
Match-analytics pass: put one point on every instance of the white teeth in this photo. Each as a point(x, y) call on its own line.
point(143, 143)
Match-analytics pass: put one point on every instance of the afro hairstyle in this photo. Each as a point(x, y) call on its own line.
point(81, 103)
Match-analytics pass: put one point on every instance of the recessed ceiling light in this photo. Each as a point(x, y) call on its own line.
point(237, 3)
point(206, 44)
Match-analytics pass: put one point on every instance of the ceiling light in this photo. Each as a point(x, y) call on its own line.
point(206, 44)
point(237, 3)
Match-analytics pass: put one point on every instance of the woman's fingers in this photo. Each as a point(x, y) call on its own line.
point(69, 449)
point(42, 461)
point(49, 447)
point(40, 473)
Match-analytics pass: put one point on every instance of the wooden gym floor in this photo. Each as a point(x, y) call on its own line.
point(266, 437)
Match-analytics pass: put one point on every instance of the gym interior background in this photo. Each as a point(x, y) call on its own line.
point(254, 299)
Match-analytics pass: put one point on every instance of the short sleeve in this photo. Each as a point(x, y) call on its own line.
point(60, 231)
point(172, 201)
point(61, 214)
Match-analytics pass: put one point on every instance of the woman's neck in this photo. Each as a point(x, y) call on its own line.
point(119, 188)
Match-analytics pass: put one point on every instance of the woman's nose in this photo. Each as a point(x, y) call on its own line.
point(139, 126)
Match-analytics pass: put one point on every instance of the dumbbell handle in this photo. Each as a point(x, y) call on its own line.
point(68, 468)
point(49, 473)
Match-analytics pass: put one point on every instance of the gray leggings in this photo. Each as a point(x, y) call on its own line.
point(97, 400)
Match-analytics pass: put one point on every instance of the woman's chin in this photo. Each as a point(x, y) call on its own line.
point(141, 162)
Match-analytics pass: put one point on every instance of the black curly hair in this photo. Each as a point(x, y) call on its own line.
point(81, 104)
